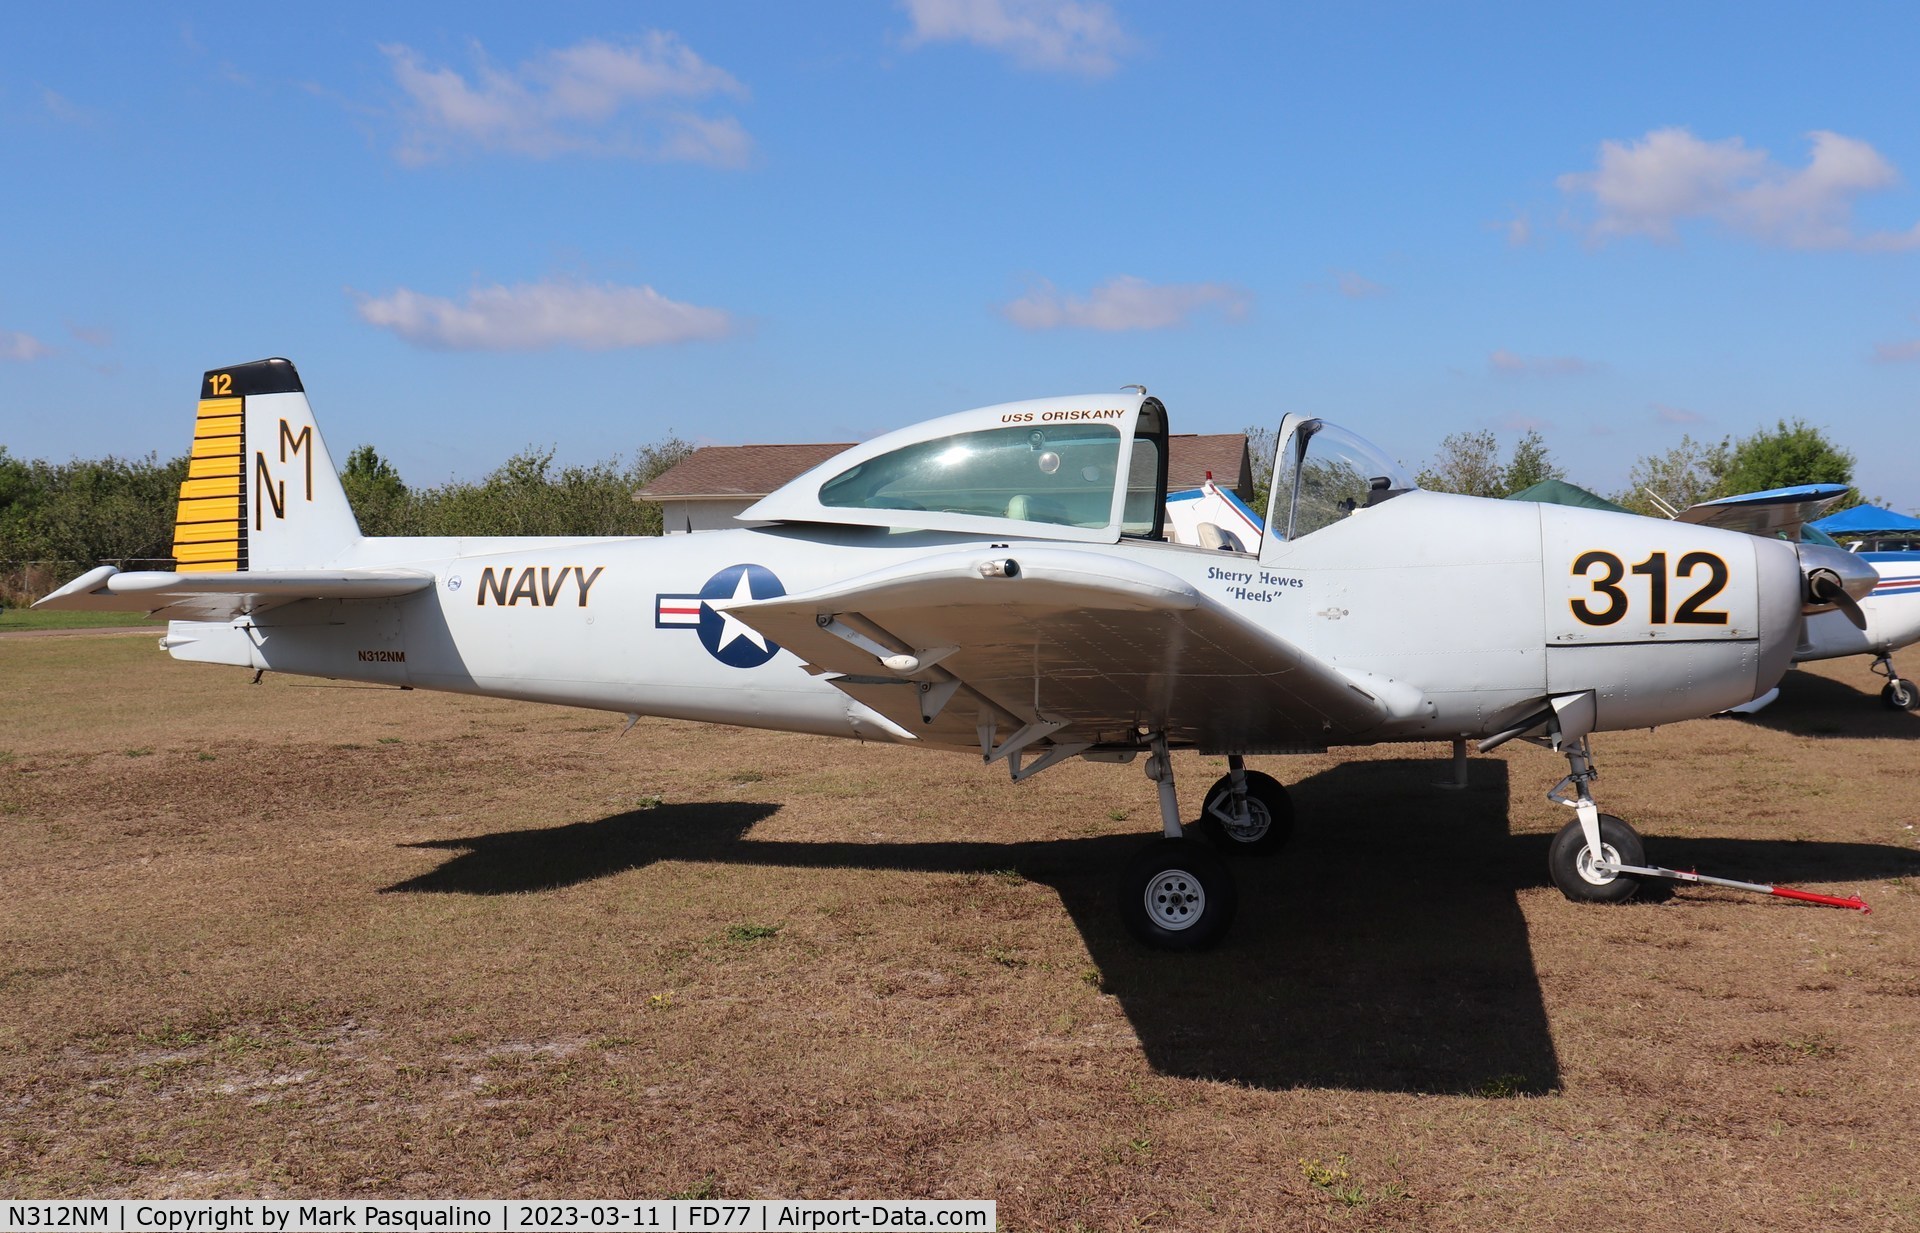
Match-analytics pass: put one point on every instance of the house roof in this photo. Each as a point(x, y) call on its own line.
point(736, 470)
point(730, 472)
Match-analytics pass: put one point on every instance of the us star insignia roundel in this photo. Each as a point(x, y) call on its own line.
point(730, 640)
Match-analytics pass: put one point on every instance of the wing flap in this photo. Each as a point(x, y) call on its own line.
point(1103, 644)
point(219, 596)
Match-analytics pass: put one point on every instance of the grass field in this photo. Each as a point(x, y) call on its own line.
point(14, 620)
point(299, 939)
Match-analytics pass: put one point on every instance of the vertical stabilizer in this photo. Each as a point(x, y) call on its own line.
point(261, 491)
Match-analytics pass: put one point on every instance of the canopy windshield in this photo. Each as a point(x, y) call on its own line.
point(1325, 473)
point(1060, 474)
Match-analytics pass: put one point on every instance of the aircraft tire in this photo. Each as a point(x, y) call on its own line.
point(1270, 806)
point(1177, 894)
point(1566, 867)
point(1901, 695)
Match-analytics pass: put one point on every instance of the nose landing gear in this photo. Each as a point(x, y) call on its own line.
point(1585, 858)
point(1900, 694)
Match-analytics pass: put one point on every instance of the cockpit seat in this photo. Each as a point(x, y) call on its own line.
point(1212, 535)
point(1038, 509)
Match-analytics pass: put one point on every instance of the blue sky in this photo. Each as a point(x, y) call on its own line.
point(476, 228)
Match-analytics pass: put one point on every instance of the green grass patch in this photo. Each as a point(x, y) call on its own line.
point(12, 619)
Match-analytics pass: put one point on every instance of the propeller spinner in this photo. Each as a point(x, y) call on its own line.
point(1835, 579)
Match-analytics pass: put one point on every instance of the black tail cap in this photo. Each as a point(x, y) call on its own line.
point(275, 376)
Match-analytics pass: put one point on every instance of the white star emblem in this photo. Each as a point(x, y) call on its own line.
point(732, 629)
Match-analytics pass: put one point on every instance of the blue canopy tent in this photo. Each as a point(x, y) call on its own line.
point(1868, 520)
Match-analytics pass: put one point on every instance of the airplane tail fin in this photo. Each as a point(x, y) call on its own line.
point(261, 491)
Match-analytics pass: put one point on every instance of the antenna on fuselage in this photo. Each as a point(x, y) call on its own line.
point(1666, 508)
point(1141, 388)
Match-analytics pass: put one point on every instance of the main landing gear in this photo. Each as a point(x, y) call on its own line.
point(1586, 857)
point(1247, 811)
point(1900, 694)
point(1178, 894)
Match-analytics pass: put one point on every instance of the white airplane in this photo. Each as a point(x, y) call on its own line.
point(1886, 619)
point(1892, 613)
point(998, 581)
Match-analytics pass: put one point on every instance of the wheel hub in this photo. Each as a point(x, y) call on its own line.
point(1175, 899)
point(1253, 826)
point(1249, 827)
point(1593, 875)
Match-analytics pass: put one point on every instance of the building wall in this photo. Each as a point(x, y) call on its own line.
point(678, 517)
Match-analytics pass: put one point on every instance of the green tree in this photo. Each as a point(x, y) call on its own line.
point(1529, 465)
point(529, 495)
point(1796, 453)
point(1469, 464)
point(651, 461)
point(377, 494)
point(1260, 447)
point(1690, 472)
point(89, 510)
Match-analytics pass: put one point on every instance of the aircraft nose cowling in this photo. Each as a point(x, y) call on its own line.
point(1834, 578)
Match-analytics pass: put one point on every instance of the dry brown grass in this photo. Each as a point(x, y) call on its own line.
point(295, 940)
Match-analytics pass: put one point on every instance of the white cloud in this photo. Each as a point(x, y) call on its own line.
point(1504, 361)
point(1897, 352)
point(1676, 415)
point(1648, 186)
point(641, 100)
point(1075, 36)
point(23, 347)
point(1124, 303)
point(1356, 287)
point(64, 109)
point(532, 317)
point(1518, 229)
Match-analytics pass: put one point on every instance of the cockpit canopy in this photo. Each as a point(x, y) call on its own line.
point(1323, 473)
point(1090, 468)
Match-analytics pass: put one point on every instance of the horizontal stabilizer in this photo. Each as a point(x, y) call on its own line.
point(220, 596)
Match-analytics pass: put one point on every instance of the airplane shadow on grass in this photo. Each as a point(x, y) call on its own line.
point(1817, 706)
point(1383, 950)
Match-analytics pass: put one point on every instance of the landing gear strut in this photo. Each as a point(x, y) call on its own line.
point(1177, 894)
point(1246, 811)
point(1900, 694)
point(1585, 857)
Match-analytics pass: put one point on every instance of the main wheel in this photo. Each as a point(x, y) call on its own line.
point(1269, 821)
point(1177, 895)
point(1901, 694)
point(1570, 862)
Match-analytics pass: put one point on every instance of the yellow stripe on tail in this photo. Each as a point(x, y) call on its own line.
point(210, 529)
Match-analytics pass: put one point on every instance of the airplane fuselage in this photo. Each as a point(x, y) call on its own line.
point(1513, 602)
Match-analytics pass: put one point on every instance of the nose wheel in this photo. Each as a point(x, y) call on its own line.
point(1585, 857)
point(1899, 693)
point(1582, 878)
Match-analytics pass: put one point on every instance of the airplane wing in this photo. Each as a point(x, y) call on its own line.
point(1773, 512)
point(1010, 646)
point(221, 596)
